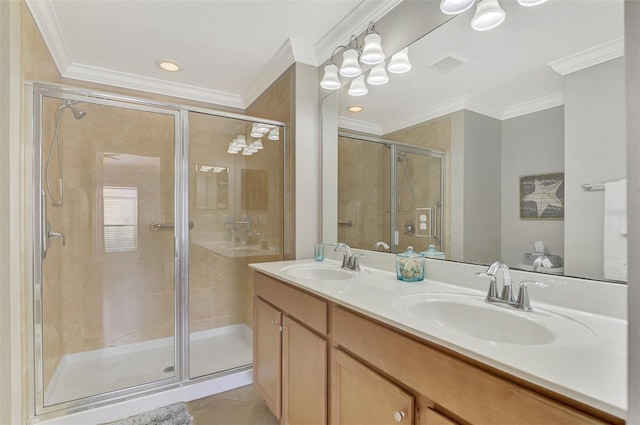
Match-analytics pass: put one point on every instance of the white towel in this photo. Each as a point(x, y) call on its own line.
point(615, 227)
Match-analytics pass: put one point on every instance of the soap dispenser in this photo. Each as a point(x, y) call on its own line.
point(410, 265)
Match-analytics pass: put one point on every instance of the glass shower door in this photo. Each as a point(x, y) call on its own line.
point(419, 200)
point(105, 297)
point(236, 172)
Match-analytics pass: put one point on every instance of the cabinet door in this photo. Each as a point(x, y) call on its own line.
point(267, 353)
point(361, 396)
point(304, 376)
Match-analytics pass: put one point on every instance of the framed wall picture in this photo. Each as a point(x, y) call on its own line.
point(542, 197)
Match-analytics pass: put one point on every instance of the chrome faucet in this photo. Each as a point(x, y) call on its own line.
point(539, 262)
point(379, 244)
point(506, 296)
point(349, 261)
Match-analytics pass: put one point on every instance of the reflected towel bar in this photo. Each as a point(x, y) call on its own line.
point(595, 186)
point(155, 226)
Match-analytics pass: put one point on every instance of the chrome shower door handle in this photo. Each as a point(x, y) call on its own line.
point(44, 240)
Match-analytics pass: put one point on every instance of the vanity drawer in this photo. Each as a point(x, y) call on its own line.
point(473, 394)
point(310, 310)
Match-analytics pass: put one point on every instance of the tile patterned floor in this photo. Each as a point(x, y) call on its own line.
point(242, 406)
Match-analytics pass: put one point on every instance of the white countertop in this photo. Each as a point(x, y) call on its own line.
point(592, 370)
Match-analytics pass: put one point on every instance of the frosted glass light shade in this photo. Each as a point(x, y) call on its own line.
point(240, 141)
point(256, 144)
point(455, 7)
point(358, 87)
point(350, 66)
point(399, 62)
point(372, 53)
point(528, 3)
point(330, 81)
point(488, 15)
point(378, 75)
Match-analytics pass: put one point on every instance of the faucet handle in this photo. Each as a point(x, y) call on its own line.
point(523, 302)
point(354, 262)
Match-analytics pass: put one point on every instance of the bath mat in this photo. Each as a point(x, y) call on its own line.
point(173, 414)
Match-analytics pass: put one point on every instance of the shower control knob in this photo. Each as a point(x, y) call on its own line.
point(274, 322)
point(281, 328)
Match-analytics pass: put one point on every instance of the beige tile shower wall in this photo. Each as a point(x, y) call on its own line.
point(37, 64)
point(276, 103)
point(435, 135)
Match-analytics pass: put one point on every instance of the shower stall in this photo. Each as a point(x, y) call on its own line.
point(391, 192)
point(145, 216)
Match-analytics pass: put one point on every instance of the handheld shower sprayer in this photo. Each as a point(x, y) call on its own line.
point(78, 114)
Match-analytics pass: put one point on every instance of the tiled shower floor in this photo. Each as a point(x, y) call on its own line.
point(99, 371)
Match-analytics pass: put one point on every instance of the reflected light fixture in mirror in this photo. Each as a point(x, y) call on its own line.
point(454, 7)
point(274, 134)
point(400, 63)
point(528, 3)
point(488, 15)
point(350, 66)
point(358, 87)
point(378, 75)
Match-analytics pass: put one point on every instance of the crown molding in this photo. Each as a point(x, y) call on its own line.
point(354, 23)
point(442, 109)
point(601, 53)
point(534, 105)
point(136, 82)
point(47, 22)
point(361, 126)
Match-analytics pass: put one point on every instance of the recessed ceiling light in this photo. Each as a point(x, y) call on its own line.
point(355, 108)
point(169, 66)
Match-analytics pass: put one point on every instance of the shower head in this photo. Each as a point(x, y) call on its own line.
point(78, 113)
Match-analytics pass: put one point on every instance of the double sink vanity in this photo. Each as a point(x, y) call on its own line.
point(338, 346)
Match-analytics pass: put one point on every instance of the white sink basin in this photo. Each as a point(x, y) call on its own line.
point(318, 272)
point(469, 315)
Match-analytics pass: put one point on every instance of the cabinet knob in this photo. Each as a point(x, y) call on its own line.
point(398, 415)
point(274, 322)
point(281, 328)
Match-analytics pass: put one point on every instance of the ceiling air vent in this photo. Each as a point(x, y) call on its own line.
point(449, 63)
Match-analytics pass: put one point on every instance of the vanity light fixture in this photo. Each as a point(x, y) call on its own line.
point(358, 87)
point(256, 144)
point(528, 3)
point(350, 66)
point(170, 66)
point(330, 81)
point(400, 63)
point(454, 7)
point(488, 15)
point(372, 53)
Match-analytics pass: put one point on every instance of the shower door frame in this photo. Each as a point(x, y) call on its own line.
point(394, 148)
point(35, 92)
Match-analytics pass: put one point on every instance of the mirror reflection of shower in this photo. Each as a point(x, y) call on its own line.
point(78, 114)
point(402, 158)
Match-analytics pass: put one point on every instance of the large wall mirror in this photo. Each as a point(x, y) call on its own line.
point(501, 144)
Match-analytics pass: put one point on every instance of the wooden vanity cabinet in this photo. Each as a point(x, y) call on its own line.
point(290, 351)
point(361, 396)
point(449, 388)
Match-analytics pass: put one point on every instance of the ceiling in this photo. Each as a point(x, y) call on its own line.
point(230, 50)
